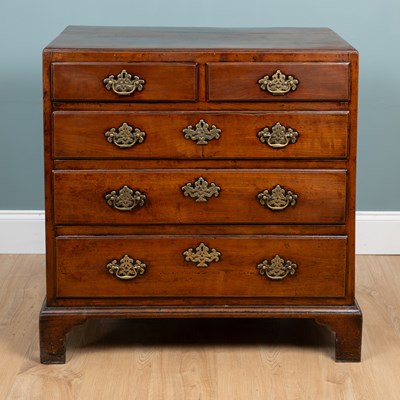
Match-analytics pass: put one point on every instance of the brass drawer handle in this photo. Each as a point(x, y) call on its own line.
point(202, 255)
point(201, 190)
point(277, 268)
point(277, 199)
point(126, 268)
point(124, 85)
point(279, 136)
point(126, 136)
point(202, 134)
point(278, 84)
point(126, 199)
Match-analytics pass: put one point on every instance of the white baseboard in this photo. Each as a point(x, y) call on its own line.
point(378, 232)
point(23, 232)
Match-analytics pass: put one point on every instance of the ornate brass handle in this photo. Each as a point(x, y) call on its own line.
point(278, 84)
point(126, 199)
point(277, 268)
point(277, 199)
point(201, 190)
point(202, 134)
point(126, 268)
point(125, 136)
point(279, 136)
point(124, 85)
point(202, 255)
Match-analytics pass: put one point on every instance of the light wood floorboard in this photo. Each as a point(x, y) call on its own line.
point(199, 359)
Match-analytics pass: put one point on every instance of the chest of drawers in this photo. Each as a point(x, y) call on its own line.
point(200, 173)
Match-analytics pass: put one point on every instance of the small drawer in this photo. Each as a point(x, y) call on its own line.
point(129, 82)
point(123, 197)
point(232, 81)
point(200, 135)
point(184, 266)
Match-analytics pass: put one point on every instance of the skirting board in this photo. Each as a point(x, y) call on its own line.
point(378, 232)
point(23, 232)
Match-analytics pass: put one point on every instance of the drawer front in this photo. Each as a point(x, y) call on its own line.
point(232, 81)
point(155, 82)
point(193, 196)
point(263, 266)
point(182, 135)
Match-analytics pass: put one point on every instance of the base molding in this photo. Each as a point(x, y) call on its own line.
point(377, 232)
point(199, 311)
point(22, 232)
point(344, 321)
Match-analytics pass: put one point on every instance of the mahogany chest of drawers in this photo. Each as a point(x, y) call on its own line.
point(200, 173)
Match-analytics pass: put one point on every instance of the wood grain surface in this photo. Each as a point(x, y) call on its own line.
point(321, 197)
point(239, 81)
point(82, 272)
point(166, 39)
point(163, 82)
point(80, 135)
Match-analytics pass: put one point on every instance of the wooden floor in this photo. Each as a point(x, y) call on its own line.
point(199, 359)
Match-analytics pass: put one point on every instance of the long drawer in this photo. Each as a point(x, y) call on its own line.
point(191, 196)
point(204, 135)
point(202, 266)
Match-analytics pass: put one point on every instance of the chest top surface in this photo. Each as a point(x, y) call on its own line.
point(175, 39)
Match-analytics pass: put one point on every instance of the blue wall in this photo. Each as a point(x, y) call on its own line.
point(372, 27)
